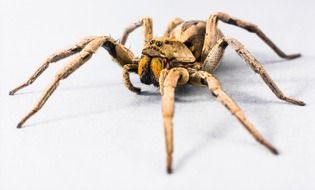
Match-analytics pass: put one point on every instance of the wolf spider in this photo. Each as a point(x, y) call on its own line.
point(187, 53)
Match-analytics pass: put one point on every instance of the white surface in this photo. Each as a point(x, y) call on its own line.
point(95, 134)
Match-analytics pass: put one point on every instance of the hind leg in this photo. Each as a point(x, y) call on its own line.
point(211, 33)
point(239, 48)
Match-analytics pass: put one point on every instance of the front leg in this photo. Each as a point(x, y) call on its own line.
point(126, 69)
point(174, 76)
point(119, 52)
point(162, 77)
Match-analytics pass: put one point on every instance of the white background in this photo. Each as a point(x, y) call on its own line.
point(95, 134)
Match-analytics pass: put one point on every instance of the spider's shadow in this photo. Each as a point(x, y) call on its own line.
point(221, 129)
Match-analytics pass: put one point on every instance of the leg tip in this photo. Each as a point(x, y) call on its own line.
point(274, 151)
point(169, 170)
point(293, 56)
point(135, 90)
point(19, 126)
point(302, 103)
point(299, 103)
point(294, 101)
point(12, 92)
point(138, 90)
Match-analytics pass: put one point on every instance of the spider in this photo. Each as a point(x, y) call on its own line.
point(188, 53)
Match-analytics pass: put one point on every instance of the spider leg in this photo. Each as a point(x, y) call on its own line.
point(162, 77)
point(214, 86)
point(54, 58)
point(258, 68)
point(171, 25)
point(146, 22)
point(211, 33)
point(126, 69)
point(175, 76)
point(86, 53)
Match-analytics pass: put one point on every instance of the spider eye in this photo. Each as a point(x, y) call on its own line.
point(158, 43)
point(151, 43)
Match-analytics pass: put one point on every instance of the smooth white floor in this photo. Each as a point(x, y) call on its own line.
point(95, 134)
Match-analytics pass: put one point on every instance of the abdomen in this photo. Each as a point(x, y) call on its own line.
point(192, 34)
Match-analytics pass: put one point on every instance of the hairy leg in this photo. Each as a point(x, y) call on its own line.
point(211, 33)
point(175, 76)
point(162, 77)
point(175, 22)
point(146, 22)
point(255, 65)
point(118, 51)
point(85, 54)
point(206, 78)
point(51, 59)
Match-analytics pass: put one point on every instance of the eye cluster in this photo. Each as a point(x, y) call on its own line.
point(158, 43)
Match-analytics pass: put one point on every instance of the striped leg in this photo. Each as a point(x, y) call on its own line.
point(175, 76)
point(206, 78)
point(253, 63)
point(51, 59)
point(162, 77)
point(211, 33)
point(86, 53)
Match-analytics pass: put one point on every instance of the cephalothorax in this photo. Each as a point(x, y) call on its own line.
point(162, 53)
point(188, 53)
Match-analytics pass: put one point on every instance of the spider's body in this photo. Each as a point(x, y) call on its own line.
point(188, 53)
point(182, 48)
